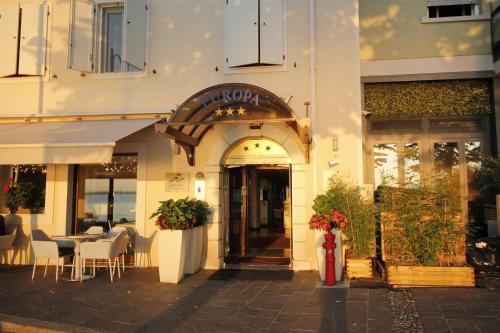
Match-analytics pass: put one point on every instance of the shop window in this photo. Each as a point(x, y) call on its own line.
point(23, 37)
point(446, 156)
point(255, 33)
point(396, 162)
point(109, 37)
point(30, 182)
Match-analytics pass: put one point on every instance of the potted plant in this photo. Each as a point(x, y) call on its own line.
point(200, 212)
point(326, 221)
point(423, 237)
point(359, 235)
point(176, 219)
point(12, 198)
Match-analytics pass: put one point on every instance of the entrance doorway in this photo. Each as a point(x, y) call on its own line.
point(258, 226)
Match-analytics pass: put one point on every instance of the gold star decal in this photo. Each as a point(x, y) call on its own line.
point(230, 111)
point(241, 111)
point(219, 112)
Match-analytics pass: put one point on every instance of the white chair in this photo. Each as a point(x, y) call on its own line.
point(7, 240)
point(123, 247)
point(95, 230)
point(104, 250)
point(44, 247)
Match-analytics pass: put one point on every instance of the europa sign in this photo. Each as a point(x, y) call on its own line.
point(231, 95)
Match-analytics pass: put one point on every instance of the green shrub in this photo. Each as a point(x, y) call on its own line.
point(421, 222)
point(348, 200)
point(181, 214)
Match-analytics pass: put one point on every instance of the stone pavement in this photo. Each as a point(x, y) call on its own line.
point(229, 301)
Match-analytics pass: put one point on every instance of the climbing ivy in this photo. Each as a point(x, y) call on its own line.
point(428, 98)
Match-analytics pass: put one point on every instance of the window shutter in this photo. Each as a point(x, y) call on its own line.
point(431, 3)
point(242, 32)
point(9, 29)
point(81, 36)
point(32, 48)
point(136, 31)
point(271, 32)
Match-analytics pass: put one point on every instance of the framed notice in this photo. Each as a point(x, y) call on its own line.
point(177, 182)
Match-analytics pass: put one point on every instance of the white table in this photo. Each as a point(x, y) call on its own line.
point(79, 239)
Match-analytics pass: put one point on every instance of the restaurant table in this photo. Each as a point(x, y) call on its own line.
point(78, 239)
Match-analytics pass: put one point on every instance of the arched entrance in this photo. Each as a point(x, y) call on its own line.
point(257, 203)
point(212, 124)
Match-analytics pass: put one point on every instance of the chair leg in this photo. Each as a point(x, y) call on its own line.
point(57, 269)
point(123, 262)
point(34, 268)
point(117, 259)
point(93, 270)
point(110, 270)
point(73, 267)
point(81, 272)
point(46, 266)
point(62, 267)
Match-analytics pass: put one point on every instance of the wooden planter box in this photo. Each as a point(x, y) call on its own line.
point(359, 268)
point(430, 276)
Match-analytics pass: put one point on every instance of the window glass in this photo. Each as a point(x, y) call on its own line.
point(446, 159)
point(473, 163)
point(107, 192)
point(385, 164)
point(451, 10)
point(112, 37)
point(411, 162)
point(30, 182)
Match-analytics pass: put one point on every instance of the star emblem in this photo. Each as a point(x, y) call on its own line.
point(257, 145)
point(268, 148)
point(219, 112)
point(245, 148)
point(230, 111)
point(241, 111)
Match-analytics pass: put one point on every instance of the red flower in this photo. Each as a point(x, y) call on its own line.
point(6, 188)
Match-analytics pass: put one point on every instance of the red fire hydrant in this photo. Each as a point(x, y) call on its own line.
point(329, 246)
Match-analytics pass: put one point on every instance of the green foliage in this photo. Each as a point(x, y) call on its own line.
point(421, 222)
point(488, 175)
point(348, 200)
point(181, 214)
point(428, 98)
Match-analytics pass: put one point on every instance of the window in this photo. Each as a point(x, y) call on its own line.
point(452, 8)
point(109, 36)
point(23, 37)
point(30, 181)
point(255, 33)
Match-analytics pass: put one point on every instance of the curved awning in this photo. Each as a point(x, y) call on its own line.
point(227, 104)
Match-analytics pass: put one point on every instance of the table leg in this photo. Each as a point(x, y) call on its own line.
point(77, 259)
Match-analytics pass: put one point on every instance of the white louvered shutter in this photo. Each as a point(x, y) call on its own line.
point(136, 33)
point(9, 29)
point(33, 44)
point(271, 31)
point(242, 32)
point(82, 36)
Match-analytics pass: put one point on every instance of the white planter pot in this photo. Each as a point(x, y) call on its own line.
point(193, 261)
point(320, 254)
point(172, 249)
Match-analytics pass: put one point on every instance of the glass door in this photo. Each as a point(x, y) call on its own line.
point(106, 196)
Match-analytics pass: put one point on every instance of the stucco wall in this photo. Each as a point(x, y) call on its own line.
point(392, 29)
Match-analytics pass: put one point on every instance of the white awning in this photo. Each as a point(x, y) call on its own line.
point(79, 142)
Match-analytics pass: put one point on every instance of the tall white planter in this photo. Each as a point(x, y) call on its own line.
point(193, 261)
point(320, 254)
point(172, 249)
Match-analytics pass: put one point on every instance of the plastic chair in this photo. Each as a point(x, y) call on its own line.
point(95, 230)
point(104, 250)
point(123, 246)
point(7, 240)
point(44, 247)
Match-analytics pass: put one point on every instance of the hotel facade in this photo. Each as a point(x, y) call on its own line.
point(109, 107)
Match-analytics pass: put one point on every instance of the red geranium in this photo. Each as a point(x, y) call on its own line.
point(6, 188)
point(328, 221)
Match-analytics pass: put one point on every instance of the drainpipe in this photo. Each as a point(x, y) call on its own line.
point(312, 73)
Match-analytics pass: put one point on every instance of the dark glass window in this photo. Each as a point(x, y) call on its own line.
point(450, 11)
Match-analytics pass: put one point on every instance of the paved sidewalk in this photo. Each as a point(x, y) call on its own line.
point(230, 301)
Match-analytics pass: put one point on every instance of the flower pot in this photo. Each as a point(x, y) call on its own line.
point(320, 254)
point(172, 249)
point(193, 258)
point(359, 268)
point(435, 276)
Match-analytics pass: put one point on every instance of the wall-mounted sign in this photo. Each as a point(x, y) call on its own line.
point(176, 182)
